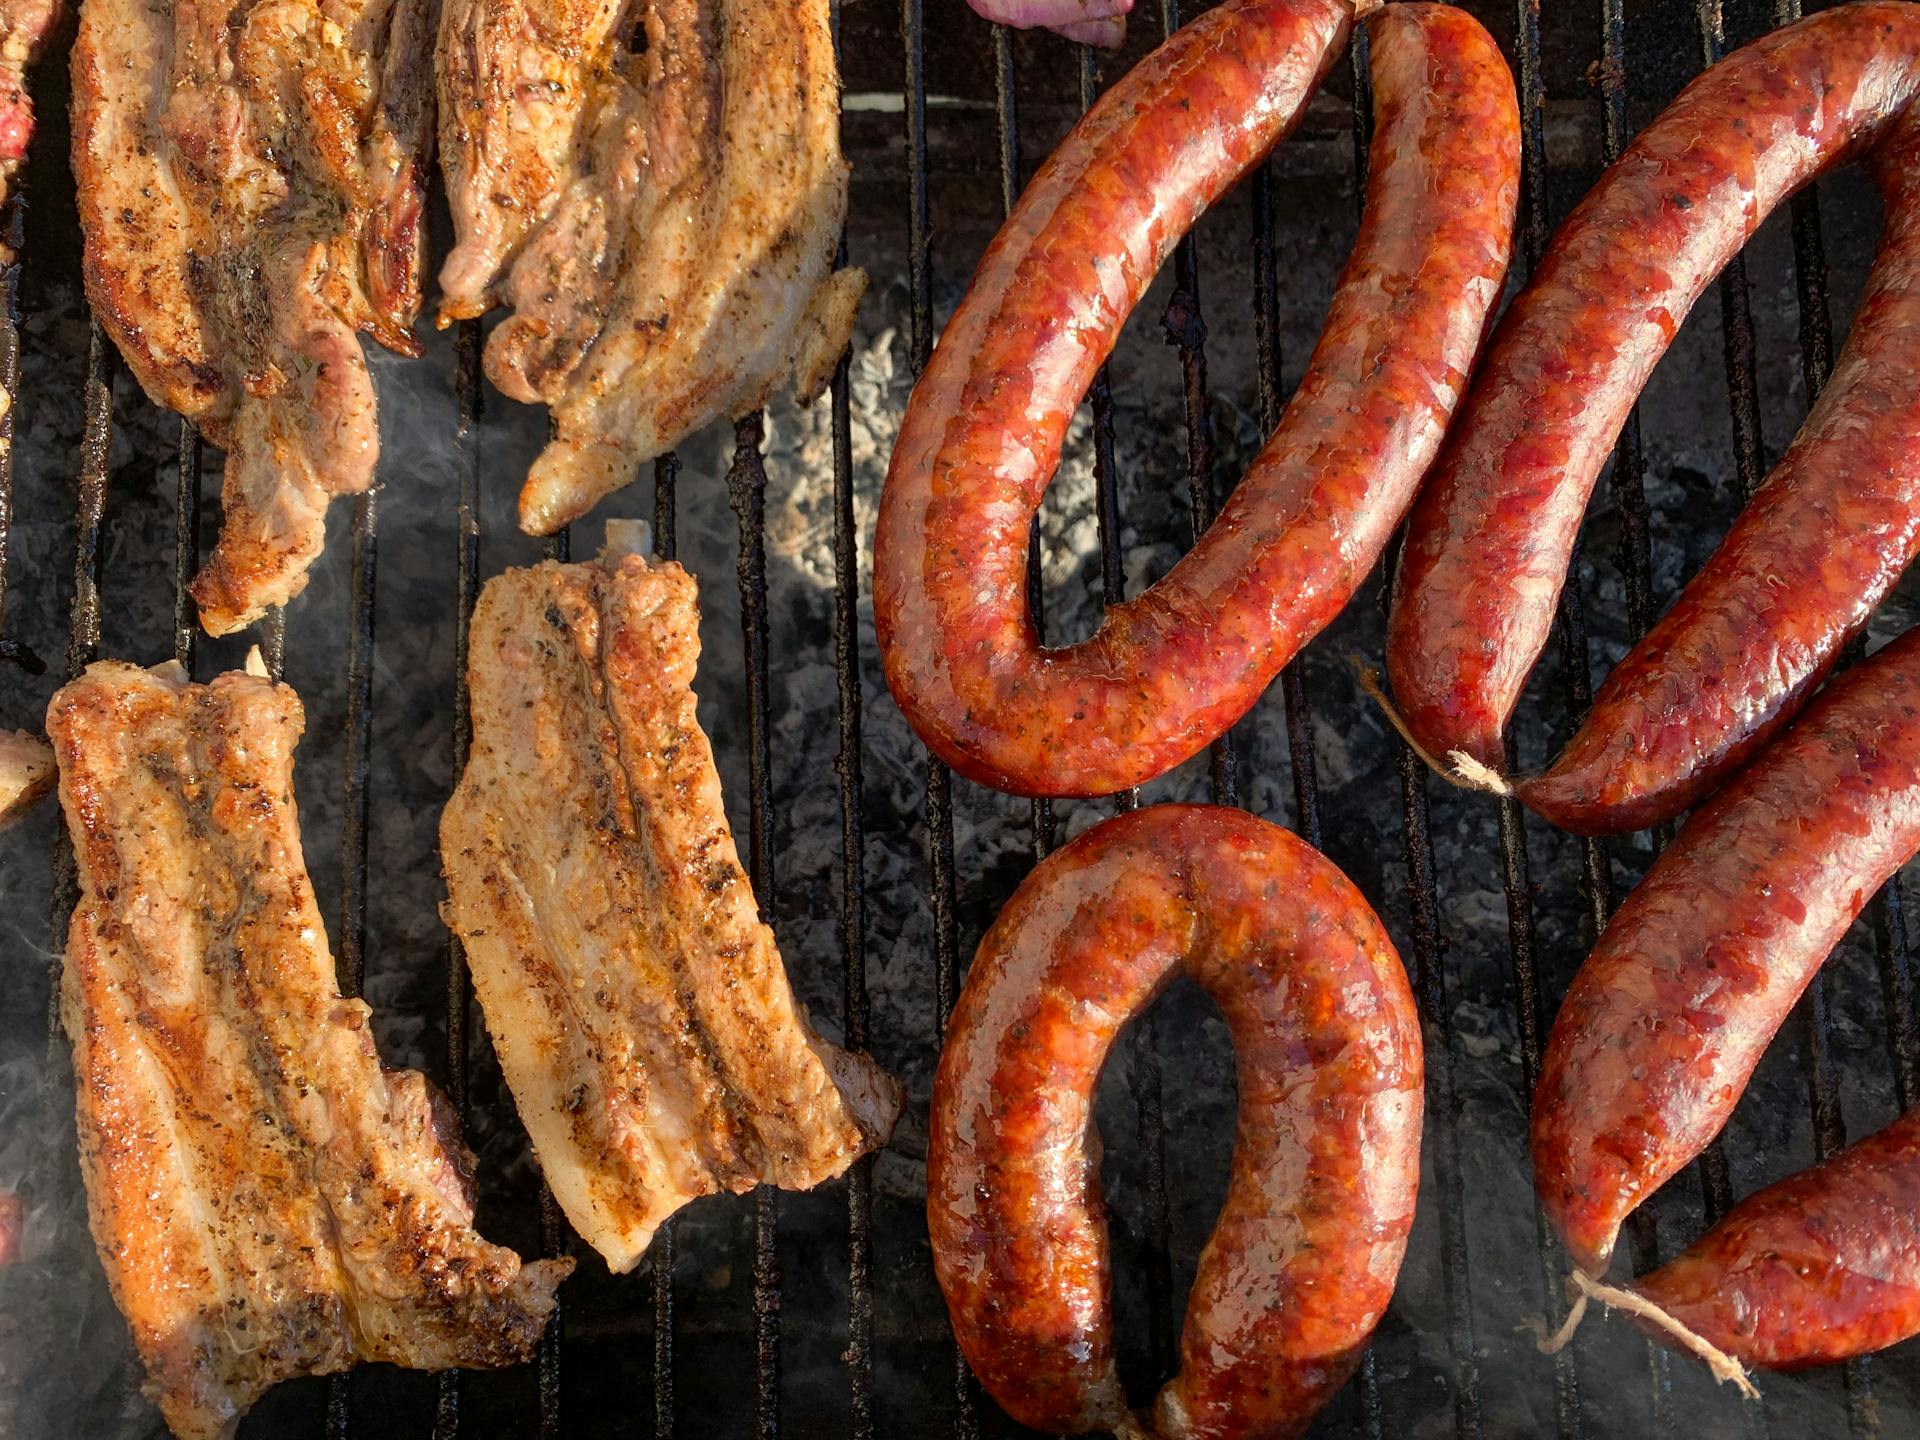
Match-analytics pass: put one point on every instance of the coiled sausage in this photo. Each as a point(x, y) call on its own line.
point(1663, 1025)
point(1326, 1161)
point(1825, 539)
point(1172, 668)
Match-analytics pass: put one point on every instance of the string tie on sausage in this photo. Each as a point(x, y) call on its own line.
point(1459, 769)
point(1724, 1368)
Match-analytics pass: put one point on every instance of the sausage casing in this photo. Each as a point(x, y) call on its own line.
point(1490, 537)
point(1821, 1267)
point(1695, 973)
point(1172, 668)
point(1326, 1160)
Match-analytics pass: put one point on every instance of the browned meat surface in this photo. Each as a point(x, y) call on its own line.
point(640, 1011)
point(655, 188)
point(267, 1200)
point(251, 194)
point(26, 774)
point(23, 30)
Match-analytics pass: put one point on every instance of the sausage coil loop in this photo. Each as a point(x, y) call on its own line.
point(1824, 539)
point(1326, 1162)
point(1169, 670)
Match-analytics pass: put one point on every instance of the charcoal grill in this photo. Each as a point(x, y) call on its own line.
point(828, 1299)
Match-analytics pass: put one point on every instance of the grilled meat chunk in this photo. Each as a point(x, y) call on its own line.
point(24, 25)
point(26, 774)
point(267, 1201)
point(251, 196)
point(638, 1006)
point(655, 187)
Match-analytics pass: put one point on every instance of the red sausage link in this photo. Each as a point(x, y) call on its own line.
point(1326, 1161)
point(1664, 1023)
point(1821, 1267)
point(1490, 537)
point(1171, 669)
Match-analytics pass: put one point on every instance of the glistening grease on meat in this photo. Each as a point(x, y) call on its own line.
point(268, 1202)
point(1326, 1157)
point(637, 1003)
point(1171, 668)
point(1833, 528)
point(655, 188)
point(1699, 967)
point(251, 195)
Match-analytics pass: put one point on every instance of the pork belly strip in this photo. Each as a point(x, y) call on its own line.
point(250, 193)
point(267, 1201)
point(639, 1007)
point(656, 189)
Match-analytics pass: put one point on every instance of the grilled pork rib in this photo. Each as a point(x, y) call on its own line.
point(251, 196)
point(267, 1201)
point(639, 1008)
point(655, 187)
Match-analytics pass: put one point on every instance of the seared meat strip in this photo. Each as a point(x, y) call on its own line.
point(251, 195)
point(656, 189)
point(639, 1008)
point(267, 1201)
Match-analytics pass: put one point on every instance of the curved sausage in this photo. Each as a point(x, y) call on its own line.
point(1821, 1267)
point(1839, 519)
point(1171, 669)
point(1326, 1161)
point(1663, 1025)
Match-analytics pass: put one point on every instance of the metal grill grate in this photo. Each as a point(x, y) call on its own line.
point(1363, 1411)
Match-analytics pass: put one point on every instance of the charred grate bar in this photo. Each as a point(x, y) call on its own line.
point(666, 476)
point(856, 1012)
point(83, 622)
point(466, 438)
point(747, 490)
point(939, 787)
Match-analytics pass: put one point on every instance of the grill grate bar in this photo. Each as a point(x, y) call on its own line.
point(1513, 846)
point(350, 957)
point(855, 1009)
point(466, 439)
point(186, 543)
point(939, 806)
point(666, 477)
point(853, 919)
point(747, 492)
point(1006, 110)
point(83, 623)
point(10, 384)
